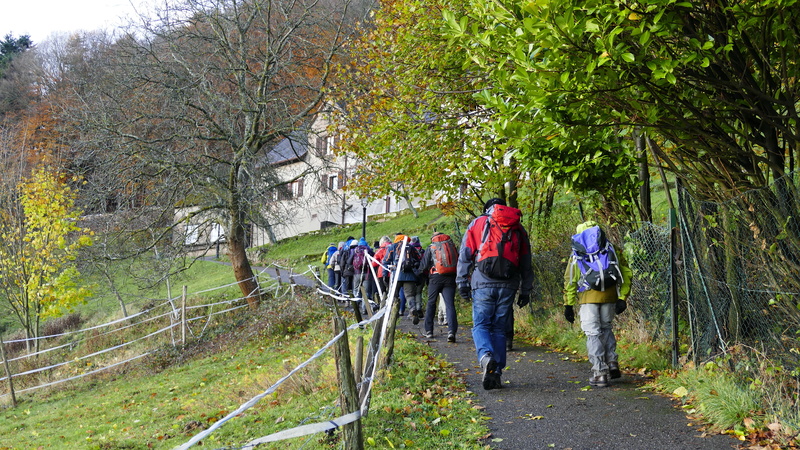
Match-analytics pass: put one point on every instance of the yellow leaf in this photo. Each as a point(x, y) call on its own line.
point(680, 392)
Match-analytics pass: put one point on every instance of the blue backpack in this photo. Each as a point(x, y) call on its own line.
point(597, 260)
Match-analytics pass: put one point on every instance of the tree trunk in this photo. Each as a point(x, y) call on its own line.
point(244, 272)
point(645, 204)
point(237, 248)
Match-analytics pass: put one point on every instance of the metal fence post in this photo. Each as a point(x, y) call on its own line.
point(673, 283)
point(183, 316)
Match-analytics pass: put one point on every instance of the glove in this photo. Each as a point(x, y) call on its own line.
point(569, 313)
point(465, 292)
point(621, 306)
point(523, 300)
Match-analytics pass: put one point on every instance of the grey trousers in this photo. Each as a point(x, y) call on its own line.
point(601, 344)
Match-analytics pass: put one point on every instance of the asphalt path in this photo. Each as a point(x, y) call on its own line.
point(546, 402)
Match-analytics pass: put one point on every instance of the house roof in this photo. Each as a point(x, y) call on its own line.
point(292, 148)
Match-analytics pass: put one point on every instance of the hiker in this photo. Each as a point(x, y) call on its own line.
point(439, 262)
point(337, 268)
point(347, 269)
point(383, 275)
point(599, 280)
point(358, 261)
point(416, 301)
point(494, 265)
point(406, 278)
point(328, 263)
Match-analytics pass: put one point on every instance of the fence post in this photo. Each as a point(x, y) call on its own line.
point(372, 360)
point(183, 316)
point(347, 384)
point(390, 331)
point(367, 304)
point(8, 372)
point(278, 275)
point(359, 359)
point(673, 287)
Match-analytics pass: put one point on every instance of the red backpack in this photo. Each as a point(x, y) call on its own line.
point(503, 242)
point(445, 254)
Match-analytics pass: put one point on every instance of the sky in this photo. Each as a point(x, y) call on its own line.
point(40, 18)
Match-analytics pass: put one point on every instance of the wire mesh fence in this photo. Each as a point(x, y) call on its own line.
point(742, 271)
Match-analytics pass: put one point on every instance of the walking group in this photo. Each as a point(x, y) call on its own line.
point(492, 269)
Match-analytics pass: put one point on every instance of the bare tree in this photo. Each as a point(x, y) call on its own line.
point(184, 108)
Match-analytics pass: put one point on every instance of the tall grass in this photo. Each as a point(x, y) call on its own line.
point(168, 397)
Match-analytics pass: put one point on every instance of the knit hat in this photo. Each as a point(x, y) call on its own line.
point(363, 242)
point(399, 237)
point(491, 202)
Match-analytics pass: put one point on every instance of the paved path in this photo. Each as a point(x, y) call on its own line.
point(545, 403)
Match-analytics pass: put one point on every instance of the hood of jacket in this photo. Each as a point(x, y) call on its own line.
point(585, 226)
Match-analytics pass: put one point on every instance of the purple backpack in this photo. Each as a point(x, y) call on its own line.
point(359, 256)
point(597, 260)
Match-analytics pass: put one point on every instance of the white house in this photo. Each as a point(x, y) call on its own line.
point(315, 198)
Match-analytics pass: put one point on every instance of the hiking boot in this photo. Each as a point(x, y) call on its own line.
point(613, 370)
point(451, 337)
point(599, 380)
point(428, 335)
point(415, 316)
point(491, 374)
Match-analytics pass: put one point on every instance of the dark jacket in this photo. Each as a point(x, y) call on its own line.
point(392, 259)
point(466, 275)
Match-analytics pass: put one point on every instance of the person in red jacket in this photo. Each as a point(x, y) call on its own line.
point(383, 276)
point(493, 278)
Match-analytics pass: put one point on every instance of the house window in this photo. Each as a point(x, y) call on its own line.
point(192, 234)
point(333, 143)
point(297, 188)
point(322, 146)
point(333, 182)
